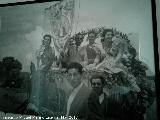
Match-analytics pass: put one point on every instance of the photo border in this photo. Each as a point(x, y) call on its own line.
point(156, 55)
point(26, 2)
point(155, 42)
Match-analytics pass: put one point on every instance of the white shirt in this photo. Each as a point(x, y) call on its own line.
point(101, 98)
point(72, 96)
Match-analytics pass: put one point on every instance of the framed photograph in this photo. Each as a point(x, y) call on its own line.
point(78, 59)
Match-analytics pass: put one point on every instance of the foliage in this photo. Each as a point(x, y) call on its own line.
point(10, 63)
point(11, 68)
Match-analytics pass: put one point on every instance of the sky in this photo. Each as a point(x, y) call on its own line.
point(22, 27)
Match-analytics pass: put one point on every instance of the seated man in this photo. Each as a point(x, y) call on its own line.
point(91, 53)
point(77, 101)
point(71, 52)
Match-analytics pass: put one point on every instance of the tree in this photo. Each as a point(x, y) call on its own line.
point(11, 68)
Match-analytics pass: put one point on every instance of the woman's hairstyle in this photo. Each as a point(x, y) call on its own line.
point(104, 33)
point(47, 35)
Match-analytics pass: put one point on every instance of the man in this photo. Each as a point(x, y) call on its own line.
point(77, 102)
point(71, 52)
point(115, 105)
point(71, 49)
point(92, 53)
point(100, 100)
point(110, 106)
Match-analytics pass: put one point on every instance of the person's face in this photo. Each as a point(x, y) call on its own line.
point(108, 36)
point(80, 37)
point(97, 86)
point(113, 51)
point(73, 43)
point(75, 77)
point(91, 38)
point(46, 41)
point(127, 55)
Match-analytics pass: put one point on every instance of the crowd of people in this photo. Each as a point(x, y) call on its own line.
point(109, 64)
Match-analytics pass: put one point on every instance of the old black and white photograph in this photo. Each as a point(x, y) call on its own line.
point(77, 59)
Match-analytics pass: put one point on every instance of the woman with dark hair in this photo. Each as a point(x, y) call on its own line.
point(45, 55)
point(106, 40)
point(45, 58)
